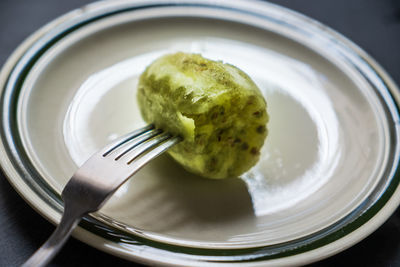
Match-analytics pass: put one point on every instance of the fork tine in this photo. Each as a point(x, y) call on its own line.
point(158, 149)
point(132, 154)
point(134, 142)
point(120, 141)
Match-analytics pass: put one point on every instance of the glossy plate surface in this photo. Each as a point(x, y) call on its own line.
point(327, 174)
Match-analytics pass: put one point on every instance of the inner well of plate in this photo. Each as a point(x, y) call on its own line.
point(323, 156)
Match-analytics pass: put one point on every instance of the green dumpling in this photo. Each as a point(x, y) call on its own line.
point(216, 108)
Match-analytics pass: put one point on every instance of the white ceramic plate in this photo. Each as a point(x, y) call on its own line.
point(327, 175)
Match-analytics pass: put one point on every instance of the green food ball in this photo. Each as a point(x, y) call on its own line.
point(216, 108)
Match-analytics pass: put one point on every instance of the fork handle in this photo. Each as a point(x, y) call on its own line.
point(49, 249)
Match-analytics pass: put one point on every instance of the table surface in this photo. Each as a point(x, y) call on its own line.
point(372, 24)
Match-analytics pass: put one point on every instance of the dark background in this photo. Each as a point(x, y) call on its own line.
point(372, 24)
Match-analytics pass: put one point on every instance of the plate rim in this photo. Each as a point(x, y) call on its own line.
point(357, 234)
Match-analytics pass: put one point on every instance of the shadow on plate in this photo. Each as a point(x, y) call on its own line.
point(163, 197)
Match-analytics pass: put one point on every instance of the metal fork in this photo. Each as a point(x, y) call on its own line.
point(98, 178)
